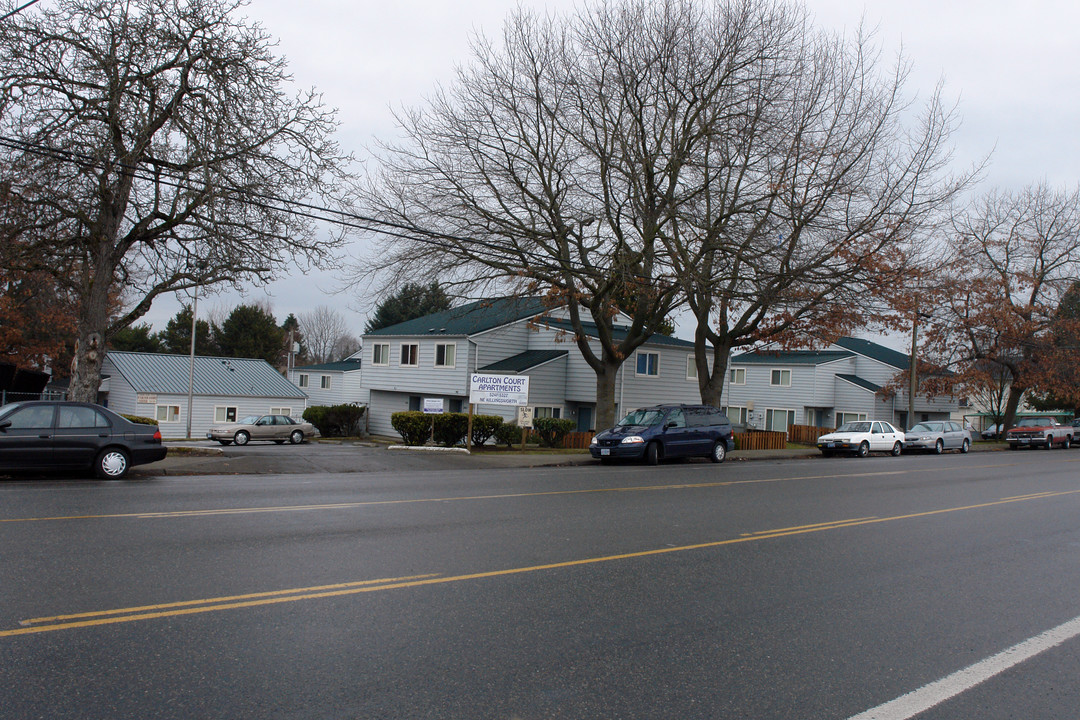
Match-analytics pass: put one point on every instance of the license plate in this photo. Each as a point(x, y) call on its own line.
point(828, 444)
point(605, 451)
point(1025, 441)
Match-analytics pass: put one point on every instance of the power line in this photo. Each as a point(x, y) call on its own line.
point(17, 10)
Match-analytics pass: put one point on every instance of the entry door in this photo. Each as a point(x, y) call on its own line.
point(584, 418)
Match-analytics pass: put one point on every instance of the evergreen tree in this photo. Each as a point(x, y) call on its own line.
point(138, 338)
point(176, 337)
point(411, 301)
point(250, 332)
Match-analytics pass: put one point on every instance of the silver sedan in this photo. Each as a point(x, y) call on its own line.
point(278, 428)
point(937, 436)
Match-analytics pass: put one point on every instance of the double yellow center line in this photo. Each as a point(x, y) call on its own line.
point(235, 602)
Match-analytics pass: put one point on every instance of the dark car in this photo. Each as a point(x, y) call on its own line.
point(44, 435)
point(667, 431)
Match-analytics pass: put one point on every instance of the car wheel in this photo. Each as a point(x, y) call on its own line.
point(1066, 443)
point(719, 451)
point(241, 437)
point(864, 449)
point(225, 442)
point(897, 448)
point(297, 437)
point(652, 453)
point(111, 464)
point(1049, 442)
point(939, 447)
point(965, 446)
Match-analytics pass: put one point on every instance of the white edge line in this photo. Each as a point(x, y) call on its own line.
point(926, 697)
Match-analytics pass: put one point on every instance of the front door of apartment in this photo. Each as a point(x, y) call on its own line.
point(584, 418)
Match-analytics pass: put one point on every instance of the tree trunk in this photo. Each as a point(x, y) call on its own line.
point(711, 383)
point(606, 399)
point(90, 353)
point(1015, 393)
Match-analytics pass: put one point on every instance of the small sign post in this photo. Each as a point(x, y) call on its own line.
point(433, 406)
point(525, 420)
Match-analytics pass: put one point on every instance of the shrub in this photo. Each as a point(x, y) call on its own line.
point(507, 434)
point(552, 431)
point(336, 420)
point(413, 426)
point(451, 428)
point(484, 427)
point(139, 419)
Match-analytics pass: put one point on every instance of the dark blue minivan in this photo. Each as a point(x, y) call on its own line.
point(667, 431)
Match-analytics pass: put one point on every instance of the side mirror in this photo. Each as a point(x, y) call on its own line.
point(5, 425)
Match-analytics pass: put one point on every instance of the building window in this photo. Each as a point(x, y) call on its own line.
point(547, 412)
point(324, 383)
point(380, 354)
point(303, 380)
point(168, 413)
point(286, 411)
point(410, 355)
point(227, 413)
point(778, 420)
point(445, 355)
point(846, 417)
point(691, 368)
point(415, 403)
point(648, 363)
point(738, 376)
point(737, 415)
point(780, 378)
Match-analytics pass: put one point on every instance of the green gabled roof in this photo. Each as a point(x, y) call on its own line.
point(524, 361)
point(340, 365)
point(618, 333)
point(856, 380)
point(876, 352)
point(469, 319)
point(790, 357)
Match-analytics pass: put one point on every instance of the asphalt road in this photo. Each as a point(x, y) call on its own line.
point(795, 589)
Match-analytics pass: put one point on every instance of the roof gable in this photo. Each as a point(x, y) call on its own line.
point(524, 361)
point(874, 351)
point(859, 382)
point(168, 375)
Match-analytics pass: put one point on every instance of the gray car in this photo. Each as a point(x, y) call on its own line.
point(937, 436)
point(278, 428)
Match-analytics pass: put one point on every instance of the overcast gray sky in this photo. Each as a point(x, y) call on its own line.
point(1013, 72)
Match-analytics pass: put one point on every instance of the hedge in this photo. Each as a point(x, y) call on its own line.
point(507, 434)
point(413, 426)
point(139, 419)
point(552, 430)
point(484, 428)
point(451, 428)
point(336, 420)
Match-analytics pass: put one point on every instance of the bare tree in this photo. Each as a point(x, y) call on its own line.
point(1016, 257)
point(323, 330)
point(157, 148)
point(562, 161)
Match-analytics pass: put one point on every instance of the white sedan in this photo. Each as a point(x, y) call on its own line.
point(861, 438)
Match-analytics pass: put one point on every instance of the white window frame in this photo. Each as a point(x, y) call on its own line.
point(743, 414)
point(691, 368)
point(302, 381)
point(385, 353)
point(637, 364)
point(736, 373)
point(843, 417)
point(452, 353)
point(415, 360)
point(169, 410)
point(552, 411)
point(324, 383)
point(770, 413)
point(221, 413)
point(287, 411)
point(782, 371)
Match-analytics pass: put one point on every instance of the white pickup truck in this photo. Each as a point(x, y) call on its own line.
point(1044, 432)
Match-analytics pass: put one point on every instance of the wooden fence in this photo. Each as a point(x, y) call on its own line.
point(760, 440)
point(806, 434)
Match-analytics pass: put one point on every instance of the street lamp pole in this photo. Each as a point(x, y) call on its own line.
point(191, 365)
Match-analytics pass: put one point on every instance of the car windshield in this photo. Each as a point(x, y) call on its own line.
point(927, 427)
point(861, 426)
point(250, 420)
point(642, 417)
point(1032, 422)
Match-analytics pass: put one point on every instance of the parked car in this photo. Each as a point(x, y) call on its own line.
point(667, 431)
point(277, 428)
point(937, 436)
point(1039, 431)
point(62, 435)
point(993, 432)
point(862, 437)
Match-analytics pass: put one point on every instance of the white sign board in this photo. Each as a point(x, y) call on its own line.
point(498, 389)
point(146, 399)
point(433, 406)
point(525, 416)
